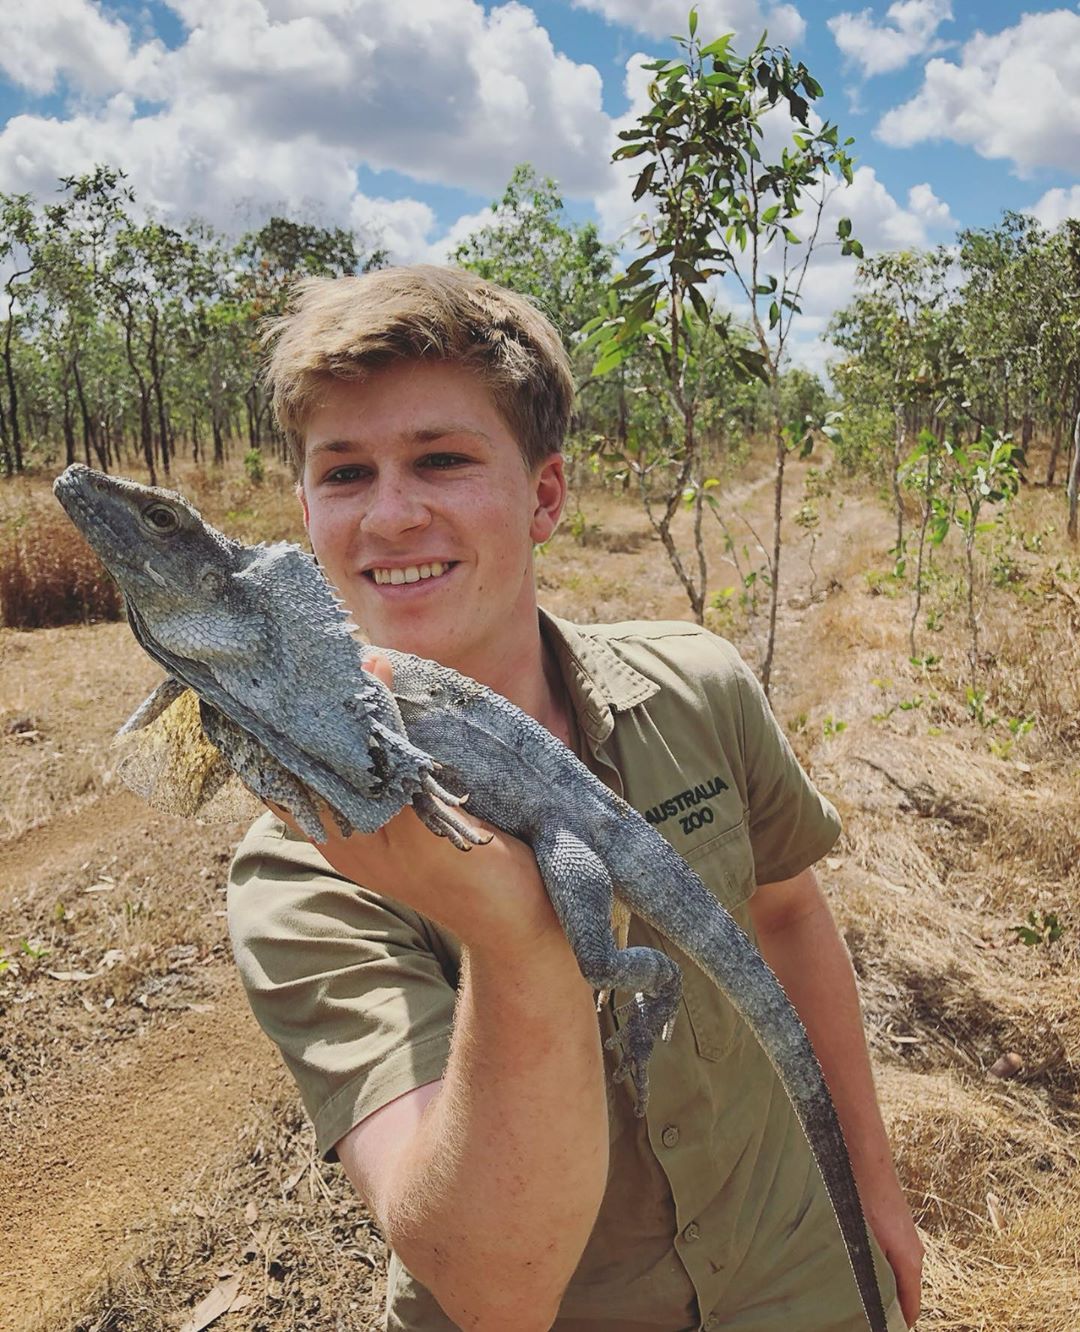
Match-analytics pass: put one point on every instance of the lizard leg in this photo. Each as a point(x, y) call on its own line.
point(262, 773)
point(444, 822)
point(580, 889)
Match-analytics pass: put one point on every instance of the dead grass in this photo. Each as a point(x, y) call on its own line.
point(49, 576)
point(273, 1228)
point(995, 1190)
point(956, 828)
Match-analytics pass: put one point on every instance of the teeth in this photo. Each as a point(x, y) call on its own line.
point(412, 573)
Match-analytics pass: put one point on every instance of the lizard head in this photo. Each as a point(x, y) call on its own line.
point(153, 542)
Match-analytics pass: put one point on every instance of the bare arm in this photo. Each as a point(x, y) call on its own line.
point(799, 939)
point(497, 1171)
point(488, 1184)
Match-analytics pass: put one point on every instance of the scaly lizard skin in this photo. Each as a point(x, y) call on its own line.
point(259, 635)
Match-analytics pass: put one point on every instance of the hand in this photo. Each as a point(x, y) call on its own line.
point(491, 896)
point(891, 1221)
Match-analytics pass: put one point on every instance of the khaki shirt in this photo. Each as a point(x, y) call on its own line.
point(715, 1215)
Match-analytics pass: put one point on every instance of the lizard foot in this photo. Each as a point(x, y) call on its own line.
point(446, 823)
point(650, 1018)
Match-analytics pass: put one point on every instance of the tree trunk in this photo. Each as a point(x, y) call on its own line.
point(13, 392)
point(159, 395)
point(899, 437)
point(146, 434)
point(774, 562)
point(1055, 450)
point(927, 506)
point(69, 430)
point(90, 434)
point(1074, 479)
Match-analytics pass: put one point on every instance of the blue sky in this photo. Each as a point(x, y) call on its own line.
point(404, 118)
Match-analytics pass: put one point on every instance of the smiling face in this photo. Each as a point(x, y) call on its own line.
point(421, 511)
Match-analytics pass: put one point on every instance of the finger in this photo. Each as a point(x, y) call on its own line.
point(379, 666)
point(283, 814)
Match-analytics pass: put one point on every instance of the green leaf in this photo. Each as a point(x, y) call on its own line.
point(693, 22)
point(644, 181)
point(774, 315)
point(770, 214)
point(843, 228)
point(611, 359)
point(700, 304)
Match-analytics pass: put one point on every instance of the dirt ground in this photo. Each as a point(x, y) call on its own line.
point(156, 1170)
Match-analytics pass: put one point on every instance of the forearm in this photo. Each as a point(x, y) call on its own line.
point(492, 1200)
point(811, 962)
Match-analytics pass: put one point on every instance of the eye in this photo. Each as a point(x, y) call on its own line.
point(161, 518)
point(443, 461)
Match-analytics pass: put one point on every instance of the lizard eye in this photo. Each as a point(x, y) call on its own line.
point(161, 518)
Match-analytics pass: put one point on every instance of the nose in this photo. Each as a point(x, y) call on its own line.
point(394, 507)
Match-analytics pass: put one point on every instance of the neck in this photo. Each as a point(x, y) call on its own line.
point(526, 673)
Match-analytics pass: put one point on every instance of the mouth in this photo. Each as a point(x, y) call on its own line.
point(398, 576)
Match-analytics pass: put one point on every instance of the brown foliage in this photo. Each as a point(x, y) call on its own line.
point(49, 576)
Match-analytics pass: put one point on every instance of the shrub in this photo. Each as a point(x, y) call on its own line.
point(50, 576)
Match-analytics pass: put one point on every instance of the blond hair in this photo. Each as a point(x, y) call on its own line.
point(345, 328)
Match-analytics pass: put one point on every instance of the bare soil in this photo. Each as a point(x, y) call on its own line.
point(153, 1154)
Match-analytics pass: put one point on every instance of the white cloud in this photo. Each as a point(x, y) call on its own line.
point(1057, 205)
point(746, 18)
point(1014, 95)
point(273, 103)
point(878, 220)
point(924, 203)
point(911, 30)
point(40, 44)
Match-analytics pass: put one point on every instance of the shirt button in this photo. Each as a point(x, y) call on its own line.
point(692, 1232)
point(670, 1136)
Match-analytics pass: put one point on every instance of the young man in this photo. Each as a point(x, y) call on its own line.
point(445, 1044)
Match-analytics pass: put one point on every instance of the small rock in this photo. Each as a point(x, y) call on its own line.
point(24, 727)
point(1007, 1066)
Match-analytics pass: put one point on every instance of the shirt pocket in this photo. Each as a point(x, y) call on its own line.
point(726, 866)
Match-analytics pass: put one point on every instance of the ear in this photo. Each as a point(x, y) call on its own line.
point(549, 491)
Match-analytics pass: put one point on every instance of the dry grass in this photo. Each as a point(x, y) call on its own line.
point(273, 1223)
point(49, 576)
point(995, 1189)
point(956, 828)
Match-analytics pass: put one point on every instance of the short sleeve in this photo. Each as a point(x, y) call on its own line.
point(791, 824)
point(356, 991)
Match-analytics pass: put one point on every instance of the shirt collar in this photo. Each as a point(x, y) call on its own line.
point(600, 683)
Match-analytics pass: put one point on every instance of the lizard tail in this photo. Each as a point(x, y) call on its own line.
point(695, 921)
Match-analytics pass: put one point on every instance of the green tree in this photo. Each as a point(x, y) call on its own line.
point(717, 208)
point(530, 247)
point(18, 242)
point(269, 260)
point(905, 354)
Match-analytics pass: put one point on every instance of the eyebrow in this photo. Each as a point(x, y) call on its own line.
point(425, 435)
